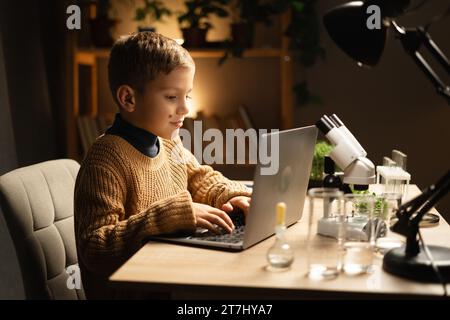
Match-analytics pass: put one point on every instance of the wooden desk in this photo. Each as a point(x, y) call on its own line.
point(191, 273)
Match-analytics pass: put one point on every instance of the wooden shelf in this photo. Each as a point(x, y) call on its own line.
point(249, 53)
point(86, 56)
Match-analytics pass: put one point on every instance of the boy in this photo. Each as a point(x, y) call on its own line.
point(131, 184)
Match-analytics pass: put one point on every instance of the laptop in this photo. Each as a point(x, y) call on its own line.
point(289, 184)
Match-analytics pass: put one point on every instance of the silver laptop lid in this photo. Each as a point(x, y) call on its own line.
point(289, 184)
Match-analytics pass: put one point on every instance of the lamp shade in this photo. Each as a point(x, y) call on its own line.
point(347, 26)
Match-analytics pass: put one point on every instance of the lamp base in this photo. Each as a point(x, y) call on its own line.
point(418, 268)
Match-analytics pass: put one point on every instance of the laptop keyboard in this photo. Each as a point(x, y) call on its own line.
point(235, 237)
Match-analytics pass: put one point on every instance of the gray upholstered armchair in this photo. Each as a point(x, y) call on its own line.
point(37, 202)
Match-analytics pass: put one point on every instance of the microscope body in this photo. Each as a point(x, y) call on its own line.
point(359, 171)
point(347, 153)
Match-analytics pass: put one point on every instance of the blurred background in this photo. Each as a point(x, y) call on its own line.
point(258, 66)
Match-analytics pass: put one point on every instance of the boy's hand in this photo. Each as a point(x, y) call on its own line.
point(207, 216)
point(241, 202)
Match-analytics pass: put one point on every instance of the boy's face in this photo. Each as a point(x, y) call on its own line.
point(162, 106)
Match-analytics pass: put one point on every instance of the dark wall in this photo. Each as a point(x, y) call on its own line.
point(8, 158)
point(10, 278)
point(32, 95)
point(55, 39)
point(26, 78)
point(390, 106)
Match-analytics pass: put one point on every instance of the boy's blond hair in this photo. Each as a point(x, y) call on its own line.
point(138, 58)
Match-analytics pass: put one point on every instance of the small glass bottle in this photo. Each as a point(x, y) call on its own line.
point(280, 256)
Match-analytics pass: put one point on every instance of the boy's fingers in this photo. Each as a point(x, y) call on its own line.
point(220, 222)
point(210, 215)
point(203, 223)
point(226, 218)
point(215, 223)
point(222, 214)
point(227, 207)
point(243, 204)
point(240, 201)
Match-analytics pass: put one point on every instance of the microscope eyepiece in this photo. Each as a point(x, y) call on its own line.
point(324, 125)
point(336, 120)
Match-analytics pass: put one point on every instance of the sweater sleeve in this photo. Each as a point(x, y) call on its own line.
point(209, 186)
point(105, 238)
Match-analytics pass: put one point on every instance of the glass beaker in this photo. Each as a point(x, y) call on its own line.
point(359, 233)
point(387, 205)
point(324, 253)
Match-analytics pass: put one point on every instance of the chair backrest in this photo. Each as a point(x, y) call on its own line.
point(37, 202)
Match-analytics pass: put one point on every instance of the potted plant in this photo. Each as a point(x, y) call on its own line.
point(194, 21)
point(245, 14)
point(149, 13)
point(101, 25)
point(321, 149)
point(303, 32)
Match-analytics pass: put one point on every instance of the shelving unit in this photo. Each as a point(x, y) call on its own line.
point(88, 57)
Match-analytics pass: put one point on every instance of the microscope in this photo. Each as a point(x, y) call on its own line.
point(358, 170)
point(347, 153)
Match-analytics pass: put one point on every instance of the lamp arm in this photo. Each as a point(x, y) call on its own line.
point(434, 49)
point(406, 210)
point(410, 226)
point(412, 40)
point(440, 189)
point(440, 86)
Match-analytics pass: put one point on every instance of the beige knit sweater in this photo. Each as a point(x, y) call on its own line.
point(123, 196)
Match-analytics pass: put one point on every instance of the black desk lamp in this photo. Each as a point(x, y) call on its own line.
point(431, 265)
point(347, 26)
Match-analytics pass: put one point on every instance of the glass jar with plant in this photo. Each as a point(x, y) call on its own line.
point(150, 12)
point(194, 21)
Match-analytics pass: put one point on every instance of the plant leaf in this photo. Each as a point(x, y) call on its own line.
point(298, 6)
point(140, 14)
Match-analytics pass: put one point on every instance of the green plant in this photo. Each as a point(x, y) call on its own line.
point(152, 10)
point(303, 31)
point(251, 11)
point(198, 12)
point(380, 209)
point(321, 149)
point(246, 13)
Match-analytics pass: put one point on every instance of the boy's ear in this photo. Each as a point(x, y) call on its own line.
point(126, 98)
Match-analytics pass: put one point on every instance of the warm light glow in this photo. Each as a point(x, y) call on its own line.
point(179, 41)
point(192, 108)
